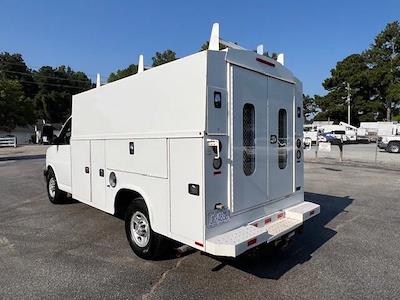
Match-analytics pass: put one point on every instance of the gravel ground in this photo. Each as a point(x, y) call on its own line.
point(350, 250)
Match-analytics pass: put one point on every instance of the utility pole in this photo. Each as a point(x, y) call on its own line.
point(348, 103)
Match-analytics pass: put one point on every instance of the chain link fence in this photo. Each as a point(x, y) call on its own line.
point(368, 154)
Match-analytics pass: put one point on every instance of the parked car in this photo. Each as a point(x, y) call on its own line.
point(390, 143)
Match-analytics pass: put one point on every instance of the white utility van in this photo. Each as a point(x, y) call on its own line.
point(205, 150)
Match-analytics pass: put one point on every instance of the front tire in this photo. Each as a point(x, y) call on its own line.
point(393, 147)
point(56, 196)
point(144, 242)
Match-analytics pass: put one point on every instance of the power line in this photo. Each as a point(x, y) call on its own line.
point(59, 85)
point(36, 68)
point(44, 76)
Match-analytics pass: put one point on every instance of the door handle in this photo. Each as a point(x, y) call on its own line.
point(214, 144)
point(87, 170)
point(101, 172)
point(273, 139)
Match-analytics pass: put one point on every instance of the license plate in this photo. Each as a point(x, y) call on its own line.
point(217, 217)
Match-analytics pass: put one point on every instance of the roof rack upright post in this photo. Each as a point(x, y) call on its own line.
point(260, 49)
point(281, 59)
point(98, 80)
point(141, 64)
point(214, 38)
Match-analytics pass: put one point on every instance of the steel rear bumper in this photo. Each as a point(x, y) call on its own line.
point(263, 230)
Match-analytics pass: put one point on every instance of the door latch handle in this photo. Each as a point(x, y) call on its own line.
point(87, 170)
point(101, 172)
point(214, 144)
point(273, 139)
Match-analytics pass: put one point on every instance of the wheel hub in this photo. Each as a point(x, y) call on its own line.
point(395, 148)
point(140, 229)
point(52, 187)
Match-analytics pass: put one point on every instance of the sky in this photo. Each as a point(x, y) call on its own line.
point(103, 36)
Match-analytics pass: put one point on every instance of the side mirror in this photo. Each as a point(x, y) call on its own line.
point(56, 140)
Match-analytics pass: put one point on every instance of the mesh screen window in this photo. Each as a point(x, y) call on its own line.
point(249, 155)
point(282, 138)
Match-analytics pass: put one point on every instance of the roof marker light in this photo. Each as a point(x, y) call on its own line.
point(252, 242)
point(265, 62)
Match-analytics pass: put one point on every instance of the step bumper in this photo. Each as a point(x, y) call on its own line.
point(263, 230)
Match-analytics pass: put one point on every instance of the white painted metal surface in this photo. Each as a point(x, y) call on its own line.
point(98, 82)
point(281, 58)
point(214, 38)
point(175, 135)
point(141, 64)
point(97, 176)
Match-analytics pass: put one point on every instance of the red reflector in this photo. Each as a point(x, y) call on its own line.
point(217, 172)
point(267, 221)
point(251, 242)
point(312, 212)
point(280, 215)
point(199, 244)
point(265, 62)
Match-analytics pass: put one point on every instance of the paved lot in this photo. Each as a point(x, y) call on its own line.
point(351, 250)
point(357, 153)
point(23, 152)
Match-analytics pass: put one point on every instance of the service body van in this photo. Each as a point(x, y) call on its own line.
point(205, 150)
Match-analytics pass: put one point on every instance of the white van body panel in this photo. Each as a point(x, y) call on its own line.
point(163, 101)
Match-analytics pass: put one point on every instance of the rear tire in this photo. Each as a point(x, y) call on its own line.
point(56, 196)
point(144, 242)
point(393, 147)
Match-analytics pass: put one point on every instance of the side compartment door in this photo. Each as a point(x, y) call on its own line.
point(280, 114)
point(80, 158)
point(186, 189)
point(97, 159)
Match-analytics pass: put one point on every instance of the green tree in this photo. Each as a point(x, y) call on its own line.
point(119, 74)
point(15, 108)
point(353, 71)
point(13, 67)
point(383, 58)
point(163, 57)
point(56, 87)
point(309, 108)
point(206, 44)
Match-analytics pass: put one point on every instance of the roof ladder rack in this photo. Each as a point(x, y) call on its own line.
point(215, 40)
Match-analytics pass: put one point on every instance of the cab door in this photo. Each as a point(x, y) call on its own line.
point(280, 129)
point(61, 158)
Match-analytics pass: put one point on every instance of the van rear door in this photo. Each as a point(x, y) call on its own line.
point(262, 147)
point(280, 150)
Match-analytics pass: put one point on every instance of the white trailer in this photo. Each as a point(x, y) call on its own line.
point(379, 128)
point(310, 132)
point(205, 150)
